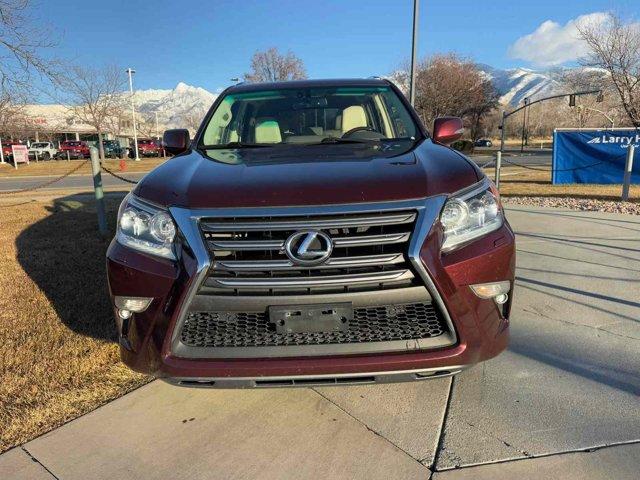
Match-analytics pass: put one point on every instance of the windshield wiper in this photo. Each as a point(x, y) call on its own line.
point(236, 145)
point(337, 141)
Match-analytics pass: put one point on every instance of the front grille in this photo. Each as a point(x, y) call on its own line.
point(248, 258)
point(369, 324)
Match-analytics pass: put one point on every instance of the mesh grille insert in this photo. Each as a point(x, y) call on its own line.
point(370, 324)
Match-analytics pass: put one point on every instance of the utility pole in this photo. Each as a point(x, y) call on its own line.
point(414, 47)
point(130, 72)
point(628, 169)
point(99, 193)
point(525, 116)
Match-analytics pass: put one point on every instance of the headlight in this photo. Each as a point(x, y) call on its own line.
point(146, 228)
point(470, 215)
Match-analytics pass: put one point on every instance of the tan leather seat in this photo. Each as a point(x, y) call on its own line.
point(338, 130)
point(353, 117)
point(267, 131)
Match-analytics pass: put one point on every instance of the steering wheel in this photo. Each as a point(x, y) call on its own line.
point(357, 129)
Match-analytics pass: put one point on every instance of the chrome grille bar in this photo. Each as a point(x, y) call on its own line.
point(355, 241)
point(319, 223)
point(370, 252)
point(336, 262)
point(304, 282)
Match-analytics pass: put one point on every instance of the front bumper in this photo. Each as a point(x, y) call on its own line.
point(479, 326)
point(71, 154)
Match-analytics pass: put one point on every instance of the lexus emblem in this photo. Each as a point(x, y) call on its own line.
point(308, 247)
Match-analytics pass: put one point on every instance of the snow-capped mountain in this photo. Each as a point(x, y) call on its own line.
point(515, 84)
point(175, 107)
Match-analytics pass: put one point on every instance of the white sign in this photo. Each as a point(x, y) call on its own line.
point(20, 154)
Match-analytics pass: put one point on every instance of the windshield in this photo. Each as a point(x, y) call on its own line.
point(39, 145)
point(309, 116)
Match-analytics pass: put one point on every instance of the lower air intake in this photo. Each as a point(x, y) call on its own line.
point(370, 324)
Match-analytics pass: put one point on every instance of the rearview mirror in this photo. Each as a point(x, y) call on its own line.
point(176, 141)
point(447, 130)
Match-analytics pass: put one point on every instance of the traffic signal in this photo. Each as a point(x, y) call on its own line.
point(572, 100)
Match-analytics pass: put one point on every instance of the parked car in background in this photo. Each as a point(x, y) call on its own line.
point(148, 148)
point(7, 151)
point(42, 151)
point(113, 149)
point(483, 142)
point(74, 149)
point(313, 233)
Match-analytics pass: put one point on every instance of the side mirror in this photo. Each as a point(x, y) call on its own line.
point(447, 130)
point(176, 141)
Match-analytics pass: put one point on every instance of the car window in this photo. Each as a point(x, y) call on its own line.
point(309, 116)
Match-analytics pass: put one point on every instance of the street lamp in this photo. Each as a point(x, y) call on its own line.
point(414, 46)
point(130, 72)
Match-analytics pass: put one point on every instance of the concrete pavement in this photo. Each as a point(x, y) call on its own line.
point(562, 402)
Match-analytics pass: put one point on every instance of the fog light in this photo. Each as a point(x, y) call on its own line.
point(492, 290)
point(501, 299)
point(132, 304)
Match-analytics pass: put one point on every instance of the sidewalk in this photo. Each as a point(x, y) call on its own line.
point(562, 402)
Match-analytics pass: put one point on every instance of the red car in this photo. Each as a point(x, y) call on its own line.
point(149, 148)
point(312, 233)
point(7, 151)
point(73, 149)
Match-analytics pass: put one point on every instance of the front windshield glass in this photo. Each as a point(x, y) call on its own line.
point(309, 116)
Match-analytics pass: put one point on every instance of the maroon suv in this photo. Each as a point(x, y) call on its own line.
point(312, 233)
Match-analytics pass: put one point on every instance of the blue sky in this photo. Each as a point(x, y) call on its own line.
point(207, 43)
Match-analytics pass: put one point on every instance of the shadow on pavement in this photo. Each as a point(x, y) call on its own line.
point(578, 291)
point(580, 260)
point(65, 256)
point(557, 353)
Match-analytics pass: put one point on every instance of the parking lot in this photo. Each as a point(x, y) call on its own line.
point(562, 402)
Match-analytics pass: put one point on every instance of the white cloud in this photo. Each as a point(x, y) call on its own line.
point(554, 44)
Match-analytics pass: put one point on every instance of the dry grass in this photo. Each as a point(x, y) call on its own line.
point(58, 359)
point(517, 181)
point(58, 167)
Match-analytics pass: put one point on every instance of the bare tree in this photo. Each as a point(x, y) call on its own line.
point(146, 124)
point(192, 119)
point(94, 96)
point(21, 45)
point(615, 47)
point(271, 66)
point(449, 85)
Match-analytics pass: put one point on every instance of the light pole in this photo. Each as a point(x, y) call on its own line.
point(157, 129)
point(525, 117)
point(130, 72)
point(414, 46)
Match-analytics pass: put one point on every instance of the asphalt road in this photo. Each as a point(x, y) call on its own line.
point(72, 181)
point(562, 402)
point(529, 158)
point(86, 181)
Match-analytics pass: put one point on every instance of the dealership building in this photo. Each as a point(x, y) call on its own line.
point(57, 123)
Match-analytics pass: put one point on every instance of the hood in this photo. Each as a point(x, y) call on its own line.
point(305, 176)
